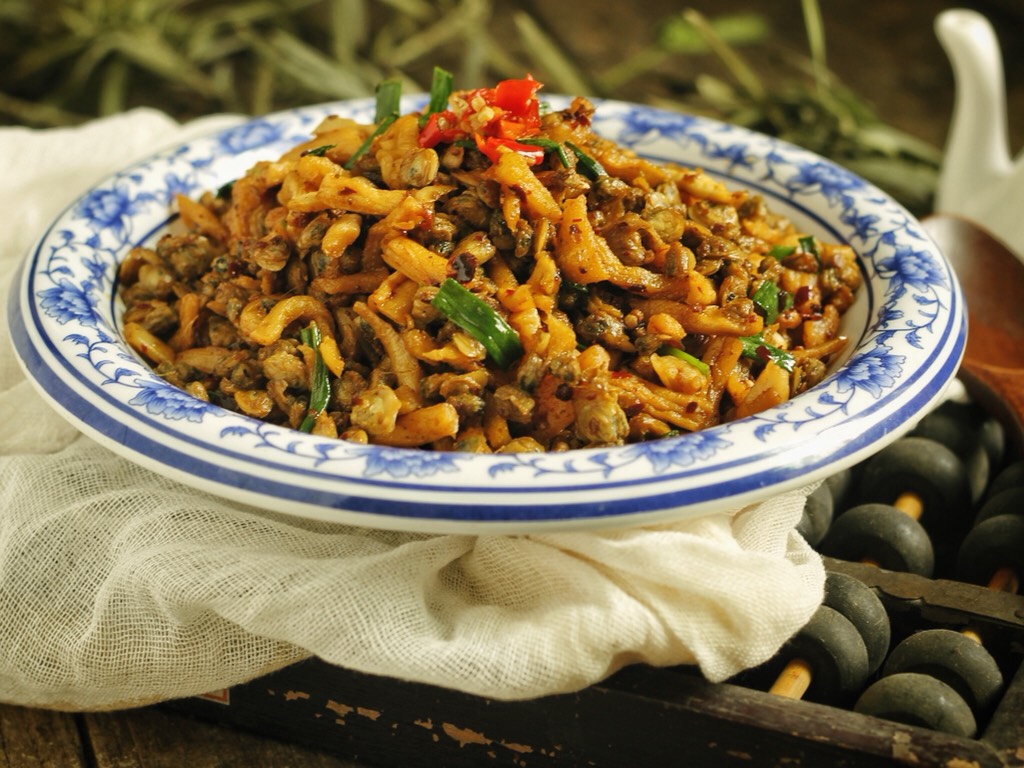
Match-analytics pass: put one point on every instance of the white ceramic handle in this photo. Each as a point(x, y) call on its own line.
point(976, 147)
point(979, 179)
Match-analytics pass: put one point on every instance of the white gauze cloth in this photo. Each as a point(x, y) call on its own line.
point(120, 588)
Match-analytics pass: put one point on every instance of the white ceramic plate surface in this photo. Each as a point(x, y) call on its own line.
point(907, 334)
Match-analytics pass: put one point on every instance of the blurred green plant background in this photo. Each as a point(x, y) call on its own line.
point(65, 61)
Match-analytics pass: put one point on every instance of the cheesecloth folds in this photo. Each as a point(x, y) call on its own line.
point(120, 588)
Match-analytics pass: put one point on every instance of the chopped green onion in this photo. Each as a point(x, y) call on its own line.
point(320, 387)
point(591, 168)
point(756, 348)
point(782, 251)
point(389, 96)
point(575, 292)
point(769, 299)
point(365, 146)
point(479, 320)
point(696, 362)
point(809, 245)
point(224, 190)
point(440, 92)
point(548, 145)
point(319, 151)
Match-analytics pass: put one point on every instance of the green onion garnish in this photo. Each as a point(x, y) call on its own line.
point(809, 245)
point(389, 96)
point(769, 299)
point(696, 362)
point(320, 387)
point(756, 348)
point(591, 168)
point(575, 292)
point(782, 251)
point(319, 151)
point(479, 320)
point(440, 92)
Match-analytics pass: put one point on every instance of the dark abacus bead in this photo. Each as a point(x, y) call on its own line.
point(958, 427)
point(841, 485)
point(882, 534)
point(933, 473)
point(1010, 476)
point(1007, 502)
point(954, 658)
point(919, 700)
point(923, 467)
point(834, 650)
point(993, 439)
point(995, 543)
point(817, 516)
point(858, 602)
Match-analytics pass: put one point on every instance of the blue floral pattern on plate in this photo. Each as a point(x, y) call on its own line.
point(907, 330)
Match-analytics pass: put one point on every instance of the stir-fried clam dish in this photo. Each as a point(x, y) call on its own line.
point(485, 275)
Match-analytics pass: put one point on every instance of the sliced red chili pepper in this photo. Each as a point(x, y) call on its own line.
point(430, 134)
point(517, 96)
point(517, 116)
point(514, 129)
point(440, 127)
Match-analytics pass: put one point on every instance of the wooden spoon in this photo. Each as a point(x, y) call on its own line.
point(992, 278)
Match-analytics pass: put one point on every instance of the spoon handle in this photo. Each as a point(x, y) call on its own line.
point(1001, 392)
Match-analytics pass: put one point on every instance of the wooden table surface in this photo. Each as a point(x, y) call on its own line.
point(885, 51)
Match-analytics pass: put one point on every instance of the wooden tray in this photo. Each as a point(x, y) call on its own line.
point(641, 716)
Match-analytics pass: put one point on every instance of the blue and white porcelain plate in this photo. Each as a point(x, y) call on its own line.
point(907, 332)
